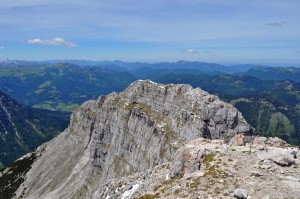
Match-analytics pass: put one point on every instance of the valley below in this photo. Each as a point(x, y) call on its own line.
point(270, 105)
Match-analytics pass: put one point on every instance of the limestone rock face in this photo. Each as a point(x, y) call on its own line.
point(121, 134)
point(213, 169)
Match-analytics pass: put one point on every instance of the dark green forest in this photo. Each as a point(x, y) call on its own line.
point(268, 97)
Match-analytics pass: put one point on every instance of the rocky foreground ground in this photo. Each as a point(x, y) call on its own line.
point(266, 168)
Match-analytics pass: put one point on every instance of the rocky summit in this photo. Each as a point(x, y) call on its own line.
point(124, 134)
point(265, 168)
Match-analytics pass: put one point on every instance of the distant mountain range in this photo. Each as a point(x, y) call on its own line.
point(64, 86)
point(22, 128)
point(7, 62)
point(259, 71)
point(275, 73)
point(201, 66)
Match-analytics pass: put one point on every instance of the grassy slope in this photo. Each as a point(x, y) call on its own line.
point(61, 87)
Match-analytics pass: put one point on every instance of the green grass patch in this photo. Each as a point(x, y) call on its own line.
point(147, 196)
point(208, 158)
point(233, 102)
point(39, 91)
point(43, 106)
point(54, 92)
point(45, 84)
point(49, 105)
point(156, 187)
point(213, 171)
point(20, 72)
point(177, 191)
point(281, 124)
point(67, 107)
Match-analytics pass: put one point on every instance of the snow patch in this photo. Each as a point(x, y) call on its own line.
point(167, 177)
point(129, 193)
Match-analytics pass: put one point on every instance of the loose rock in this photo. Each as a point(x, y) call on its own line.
point(241, 193)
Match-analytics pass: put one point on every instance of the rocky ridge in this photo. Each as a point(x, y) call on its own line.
point(126, 133)
point(266, 168)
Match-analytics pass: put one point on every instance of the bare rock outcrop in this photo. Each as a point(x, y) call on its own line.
point(216, 170)
point(126, 133)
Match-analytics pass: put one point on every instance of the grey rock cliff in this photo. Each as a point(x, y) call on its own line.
point(121, 134)
point(212, 169)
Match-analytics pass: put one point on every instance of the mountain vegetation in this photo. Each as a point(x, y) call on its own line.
point(23, 128)
point(268, 97)
point(275, 73)
point(61, 86)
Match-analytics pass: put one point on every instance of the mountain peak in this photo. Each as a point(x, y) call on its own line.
point(3, 59)
point(7, 62)
point(123, 133)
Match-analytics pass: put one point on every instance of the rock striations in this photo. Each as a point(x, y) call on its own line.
point(265, 168)
point(125, 133)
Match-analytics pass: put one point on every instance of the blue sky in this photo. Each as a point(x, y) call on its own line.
point(222, 31)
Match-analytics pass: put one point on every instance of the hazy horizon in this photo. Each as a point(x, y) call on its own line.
point(218, 31)
point(157, 62)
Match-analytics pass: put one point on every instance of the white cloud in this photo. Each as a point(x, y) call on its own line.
point(192, 51)
point(54, 42)
point(2, 47)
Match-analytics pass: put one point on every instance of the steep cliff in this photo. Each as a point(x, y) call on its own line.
point(121, 134)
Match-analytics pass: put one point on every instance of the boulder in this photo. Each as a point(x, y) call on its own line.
point(240, 193)
point(237, 140)
point(284, 160)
